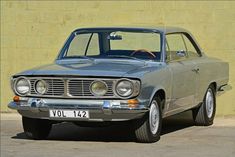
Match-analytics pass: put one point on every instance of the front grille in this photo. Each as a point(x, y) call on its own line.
point(82, 87)
point(77, 88)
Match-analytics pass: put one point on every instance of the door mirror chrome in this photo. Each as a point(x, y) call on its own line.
point(181, 53)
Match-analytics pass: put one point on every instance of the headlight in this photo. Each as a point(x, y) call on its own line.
point(22, 86)
point(99, 88)
point(124, 88)
point(41, 87)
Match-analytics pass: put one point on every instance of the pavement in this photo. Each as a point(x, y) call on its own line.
point(180, 138)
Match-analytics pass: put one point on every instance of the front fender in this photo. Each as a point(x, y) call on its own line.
point(153, 82)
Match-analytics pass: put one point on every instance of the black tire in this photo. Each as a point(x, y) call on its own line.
point(37, 129)
point(200, 115)
point(143, 131)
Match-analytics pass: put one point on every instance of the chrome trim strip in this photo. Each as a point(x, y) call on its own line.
point(66, 88)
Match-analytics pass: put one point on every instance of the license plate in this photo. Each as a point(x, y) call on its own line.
point(69, 114)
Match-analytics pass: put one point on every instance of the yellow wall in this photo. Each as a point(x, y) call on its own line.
point(33, 32)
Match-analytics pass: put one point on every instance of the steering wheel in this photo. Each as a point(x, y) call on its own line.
point(149, 53)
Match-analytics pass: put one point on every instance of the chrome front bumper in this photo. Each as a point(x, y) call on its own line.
point(99, 110)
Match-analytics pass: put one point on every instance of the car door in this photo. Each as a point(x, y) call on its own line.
point(183, 71)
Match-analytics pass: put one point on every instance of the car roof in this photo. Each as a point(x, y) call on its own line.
point(161, 29)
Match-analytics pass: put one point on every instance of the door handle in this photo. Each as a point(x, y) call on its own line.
point(196, 70)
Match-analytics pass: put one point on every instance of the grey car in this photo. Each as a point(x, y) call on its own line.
point(116, 74)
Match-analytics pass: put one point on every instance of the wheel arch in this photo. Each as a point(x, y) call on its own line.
point(214, 84)
point(162, 95)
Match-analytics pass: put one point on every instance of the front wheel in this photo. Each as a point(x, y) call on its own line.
point(204, 115)
point(148, 129)
point(37, 129)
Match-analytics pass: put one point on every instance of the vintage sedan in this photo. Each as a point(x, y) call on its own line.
point(114, 74)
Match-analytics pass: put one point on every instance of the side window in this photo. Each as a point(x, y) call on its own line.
point(175, 43)
point(192, 52)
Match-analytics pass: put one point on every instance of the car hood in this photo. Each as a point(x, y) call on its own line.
point(105, 67)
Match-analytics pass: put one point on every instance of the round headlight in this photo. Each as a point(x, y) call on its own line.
point(22, 86)
point(41, 87)
point(99, 88)
point(124, 88)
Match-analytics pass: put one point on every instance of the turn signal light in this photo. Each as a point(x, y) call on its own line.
point(16, 98)
point(132, 103)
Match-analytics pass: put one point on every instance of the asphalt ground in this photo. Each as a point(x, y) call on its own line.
point(180, 138)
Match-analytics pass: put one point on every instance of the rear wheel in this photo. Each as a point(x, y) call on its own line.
point(148, 129)
point(37, 129)
point(204, 115)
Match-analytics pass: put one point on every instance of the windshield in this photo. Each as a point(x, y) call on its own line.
point(113, 44)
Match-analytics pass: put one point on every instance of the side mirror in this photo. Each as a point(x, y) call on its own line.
point(181, 53)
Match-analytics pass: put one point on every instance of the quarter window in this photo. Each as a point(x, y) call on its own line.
point(84, 45)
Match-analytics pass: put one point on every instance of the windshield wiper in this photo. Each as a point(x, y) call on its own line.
point(124, 56)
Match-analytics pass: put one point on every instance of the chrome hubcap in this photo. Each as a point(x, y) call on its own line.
point(154, 117)
point(209, 103)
